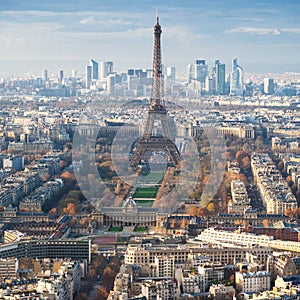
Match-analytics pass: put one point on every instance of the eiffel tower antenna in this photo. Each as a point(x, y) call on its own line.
point(149, 143)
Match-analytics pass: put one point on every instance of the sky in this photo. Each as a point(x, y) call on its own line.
point(264, 35)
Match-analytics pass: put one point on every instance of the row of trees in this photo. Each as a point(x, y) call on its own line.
point(107, 269)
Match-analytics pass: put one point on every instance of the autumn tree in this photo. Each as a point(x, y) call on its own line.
point(240, 155)
point(102, 293)
point(265, 222)
point(183, 223)
point(246, 162)
point(193, 211)
point(280, 166)
point(211, 207)
point(71, 209)
point(289, 181)
point(288, 212)
point(108, 277)
point(68, 177)
point(173, 224)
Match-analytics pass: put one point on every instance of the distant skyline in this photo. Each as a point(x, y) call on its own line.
point(263, 35)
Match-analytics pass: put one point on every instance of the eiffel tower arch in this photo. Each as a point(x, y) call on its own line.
point(150, 143)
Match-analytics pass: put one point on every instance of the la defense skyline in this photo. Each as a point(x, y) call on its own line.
point(79, 65)
point(99, 71)
point(34, 67)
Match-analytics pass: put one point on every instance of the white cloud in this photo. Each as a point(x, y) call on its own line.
point(96, 21)
point(263, 31)
point(87, 21)
point(253, 19)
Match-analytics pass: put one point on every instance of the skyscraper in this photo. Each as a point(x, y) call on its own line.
point(190, 71)
point(171, 73)
point(210, 85)
point(45, 75)
point(106, 68)
point(74, 74)
point(88, 76)
point(74, 83)
point(60, 76)
point(269, 86)
point(201, 70)
point(220, 77)
point(236, 79)
point(110, 85)
point(94, 66)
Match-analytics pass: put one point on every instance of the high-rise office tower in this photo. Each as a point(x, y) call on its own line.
point(110, 84)
point(132, 82)
point(74, 74)
point(106, 68)
point(171, 73)
point(130, 72)
point(210, 85)
point(201, 70)
point(190, 72)
point(88, 76)
point(236, 79)
point(94, 66)
point(60, 76)
point(45, 75)
point(269, 86)
point(220, 77)
point(74, 83)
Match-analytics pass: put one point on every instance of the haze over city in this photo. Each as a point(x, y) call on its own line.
point(264, 35)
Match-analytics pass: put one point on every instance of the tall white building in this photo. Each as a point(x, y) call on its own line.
point(106, 68)
point(210, 84)
point(171, 73)
point(110, 84)
point(132, 82)
point(236, 79)
point(88, 76)
point(94, 71)
point(190, 72)
point(269, 86)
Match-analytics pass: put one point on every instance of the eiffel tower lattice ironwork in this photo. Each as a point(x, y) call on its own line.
point(149, 143)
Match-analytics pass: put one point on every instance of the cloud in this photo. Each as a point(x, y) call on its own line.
point(263, 31)
point(253, 19)
point(97, 21)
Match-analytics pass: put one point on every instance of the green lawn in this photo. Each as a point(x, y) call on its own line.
point(115, 229)
point(153, 177)
point(140, 229)
point(144, 203)
point(149, 192)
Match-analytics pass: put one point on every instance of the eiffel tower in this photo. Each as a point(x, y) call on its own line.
point(149, 143)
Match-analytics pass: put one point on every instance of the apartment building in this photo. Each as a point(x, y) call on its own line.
point(274, 190)
point(253, 282)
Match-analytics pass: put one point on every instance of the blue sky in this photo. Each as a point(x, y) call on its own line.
point(263, 35)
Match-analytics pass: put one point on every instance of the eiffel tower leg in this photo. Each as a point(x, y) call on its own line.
point(149, 126)
point(165, 128)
